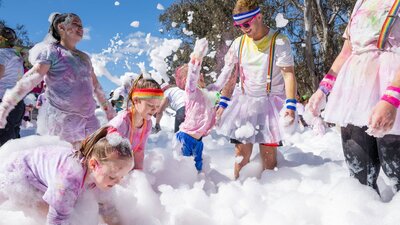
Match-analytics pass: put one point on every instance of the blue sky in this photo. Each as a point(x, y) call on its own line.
point(102, 18)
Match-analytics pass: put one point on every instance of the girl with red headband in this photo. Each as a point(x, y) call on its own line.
point(135, 122)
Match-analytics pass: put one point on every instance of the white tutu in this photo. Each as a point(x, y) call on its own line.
point(68, 126)
point(251, 119)
point(359, 86)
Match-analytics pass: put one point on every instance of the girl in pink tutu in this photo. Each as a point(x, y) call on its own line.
point(251, 114)
point(52, 178)
point(364, 91)
point(71, 84)
point(135, 122)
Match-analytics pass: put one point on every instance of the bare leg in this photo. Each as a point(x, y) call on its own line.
point(243, 150)
point(268, 157)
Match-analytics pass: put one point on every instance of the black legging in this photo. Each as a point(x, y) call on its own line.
point(11, 131)
point(179, 118)
point(365, 155)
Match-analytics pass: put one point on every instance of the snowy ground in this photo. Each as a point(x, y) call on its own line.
point(311, 186)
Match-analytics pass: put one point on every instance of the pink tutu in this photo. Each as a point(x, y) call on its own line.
point(251, 119)
point(359, 86)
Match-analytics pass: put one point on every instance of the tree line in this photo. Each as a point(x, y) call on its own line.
point(315, 28)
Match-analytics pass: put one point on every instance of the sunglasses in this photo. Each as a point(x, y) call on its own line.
point(246, 24)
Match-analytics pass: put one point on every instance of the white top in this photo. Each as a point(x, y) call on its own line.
point(14, 69)
point(176, 97)
point(255, 61)
point(300, 108)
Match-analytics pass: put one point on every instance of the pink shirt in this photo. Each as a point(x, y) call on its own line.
point(53, 170)
point(199, 106)
point(122, 124)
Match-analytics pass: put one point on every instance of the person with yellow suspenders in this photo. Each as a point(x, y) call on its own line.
point(364, 92)
point(266, 68)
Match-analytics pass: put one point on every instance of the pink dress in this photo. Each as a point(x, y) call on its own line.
point(365, 75)
point(137, 136)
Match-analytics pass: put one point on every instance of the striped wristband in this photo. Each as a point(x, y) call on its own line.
point(327, 83)
point(223, 102)
point(290, 103)
point(392, 95)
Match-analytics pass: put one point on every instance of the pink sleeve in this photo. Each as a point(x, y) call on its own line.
point(192, 77)
point(120, 124)
point(62, 194)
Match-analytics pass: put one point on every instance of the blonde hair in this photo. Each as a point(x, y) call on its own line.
point(141, 82)
point(96, 145)
point(243, 6)
point(181, 75)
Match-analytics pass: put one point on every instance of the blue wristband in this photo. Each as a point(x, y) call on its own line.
point(225, 98)
point(291, 104)
point(291, 100)
point(291, 107)
point(223, 105)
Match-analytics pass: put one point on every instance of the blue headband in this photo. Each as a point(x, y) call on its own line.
point(242, 16)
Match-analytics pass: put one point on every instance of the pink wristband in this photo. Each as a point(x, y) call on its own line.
point(327, 83)
point(392, 96)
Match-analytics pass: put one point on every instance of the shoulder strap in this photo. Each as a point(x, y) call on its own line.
point(240, 50)
point(388, 24)
point(271, 61)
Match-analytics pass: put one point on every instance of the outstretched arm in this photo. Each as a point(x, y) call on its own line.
point(194, 67)
point(99, 93)
point(163, 106)
point(290, 86)
point(12, 96)
point(225, 76)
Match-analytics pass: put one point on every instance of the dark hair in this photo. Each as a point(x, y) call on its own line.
point(98, 146)
point(10, 36)
point(57, 19)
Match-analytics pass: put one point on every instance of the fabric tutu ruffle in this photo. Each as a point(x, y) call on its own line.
point(251, 119)
point(70, 127)
point(359, 86)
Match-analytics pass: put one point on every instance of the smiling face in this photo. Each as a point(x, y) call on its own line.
point(250, 26)
point(109, 173)
point(147, 107)
point(71, 29)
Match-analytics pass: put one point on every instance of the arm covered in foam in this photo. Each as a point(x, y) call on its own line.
point(200, 50)
point(104, 103)
point(12, 96)
point(226, 72)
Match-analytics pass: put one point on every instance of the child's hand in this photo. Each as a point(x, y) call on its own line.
point(200, 49)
